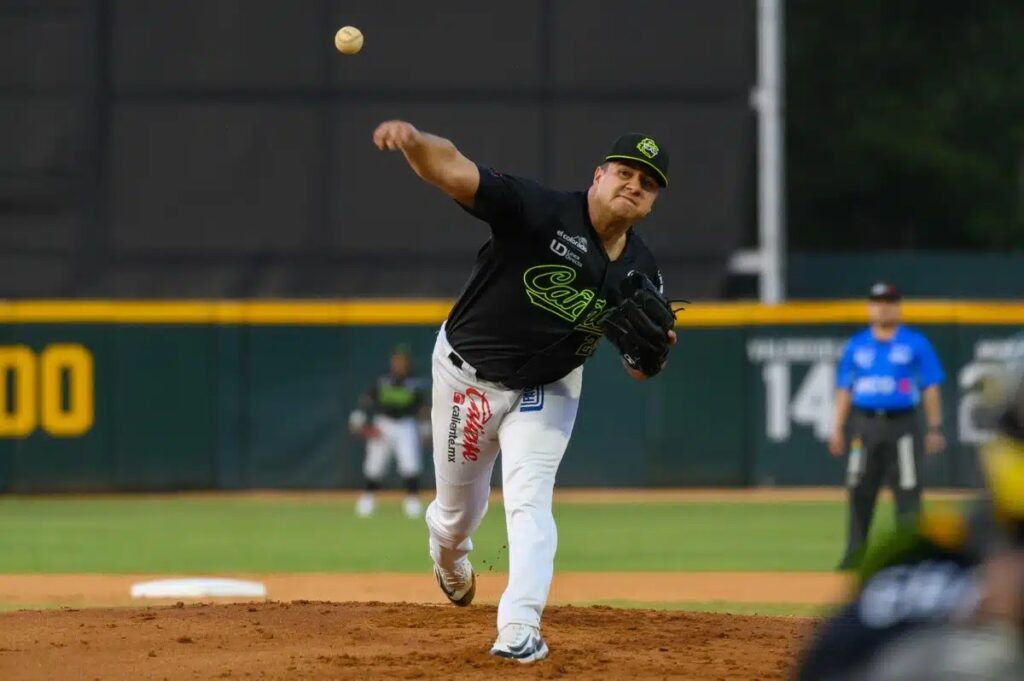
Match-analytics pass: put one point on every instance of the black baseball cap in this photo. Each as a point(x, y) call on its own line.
point(642, 149)
point(883, 291)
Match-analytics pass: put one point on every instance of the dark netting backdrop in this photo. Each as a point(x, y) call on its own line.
point(221, 148)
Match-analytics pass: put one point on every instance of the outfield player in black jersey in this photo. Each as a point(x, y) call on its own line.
point(507, 365)
point(389, 417)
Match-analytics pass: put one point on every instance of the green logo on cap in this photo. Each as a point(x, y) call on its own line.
point(647, 147)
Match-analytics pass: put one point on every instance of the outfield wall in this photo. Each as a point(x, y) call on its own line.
point(100, 395)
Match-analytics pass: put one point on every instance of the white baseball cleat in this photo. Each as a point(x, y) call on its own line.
point(412, 507)
point(520, 642)
point(459, 585)
point(366, 505)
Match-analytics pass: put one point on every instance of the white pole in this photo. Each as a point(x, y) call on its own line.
point(771, 161)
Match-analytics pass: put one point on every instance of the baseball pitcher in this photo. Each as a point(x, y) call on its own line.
point(559, 270)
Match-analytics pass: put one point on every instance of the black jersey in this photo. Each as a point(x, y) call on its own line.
point(395, 397)
point(531, 310)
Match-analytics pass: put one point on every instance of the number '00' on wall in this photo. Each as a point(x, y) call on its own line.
point(52, 390)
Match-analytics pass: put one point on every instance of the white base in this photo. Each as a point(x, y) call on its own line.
point(199, 587)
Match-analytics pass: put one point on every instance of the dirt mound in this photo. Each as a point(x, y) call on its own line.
point(322, 640)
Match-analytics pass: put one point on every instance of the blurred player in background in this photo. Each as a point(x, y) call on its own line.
point(884, 373)
point(393, 417)
point(942, 600)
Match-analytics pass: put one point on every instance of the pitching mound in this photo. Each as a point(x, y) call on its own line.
point(321, 640)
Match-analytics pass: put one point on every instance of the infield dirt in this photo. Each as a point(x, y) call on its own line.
point(324, 640)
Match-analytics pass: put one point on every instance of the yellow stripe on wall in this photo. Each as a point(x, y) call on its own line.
point(284, 312)
point(850, 312)
point(416, 312)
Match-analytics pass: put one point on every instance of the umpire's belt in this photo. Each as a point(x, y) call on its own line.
point(885, 413)
point(459, 363)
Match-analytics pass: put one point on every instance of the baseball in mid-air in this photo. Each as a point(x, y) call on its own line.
point(348, 40)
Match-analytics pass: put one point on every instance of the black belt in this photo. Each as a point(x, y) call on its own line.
point(885, 413)
point(459, 363)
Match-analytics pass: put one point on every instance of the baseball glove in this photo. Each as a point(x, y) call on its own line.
point(638, 326)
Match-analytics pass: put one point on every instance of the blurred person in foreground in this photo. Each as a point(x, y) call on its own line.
point(393, 418)
point(884, 373)
point(942, 600)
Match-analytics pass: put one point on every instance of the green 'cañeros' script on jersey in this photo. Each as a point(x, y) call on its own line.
point(548, 287)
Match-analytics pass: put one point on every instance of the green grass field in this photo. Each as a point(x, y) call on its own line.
point(223, 534)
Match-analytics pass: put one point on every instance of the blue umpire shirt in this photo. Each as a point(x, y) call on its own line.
point(891, 374)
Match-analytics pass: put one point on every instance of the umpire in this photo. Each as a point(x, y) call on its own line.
point(884, 373)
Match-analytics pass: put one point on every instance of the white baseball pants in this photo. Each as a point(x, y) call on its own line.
point(400, 436)
point(472, 420)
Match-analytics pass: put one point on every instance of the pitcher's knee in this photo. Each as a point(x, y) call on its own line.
point(532, 496)
point(530, 518)
point(452, 526)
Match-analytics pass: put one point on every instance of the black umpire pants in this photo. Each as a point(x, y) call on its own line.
point(885, 448)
